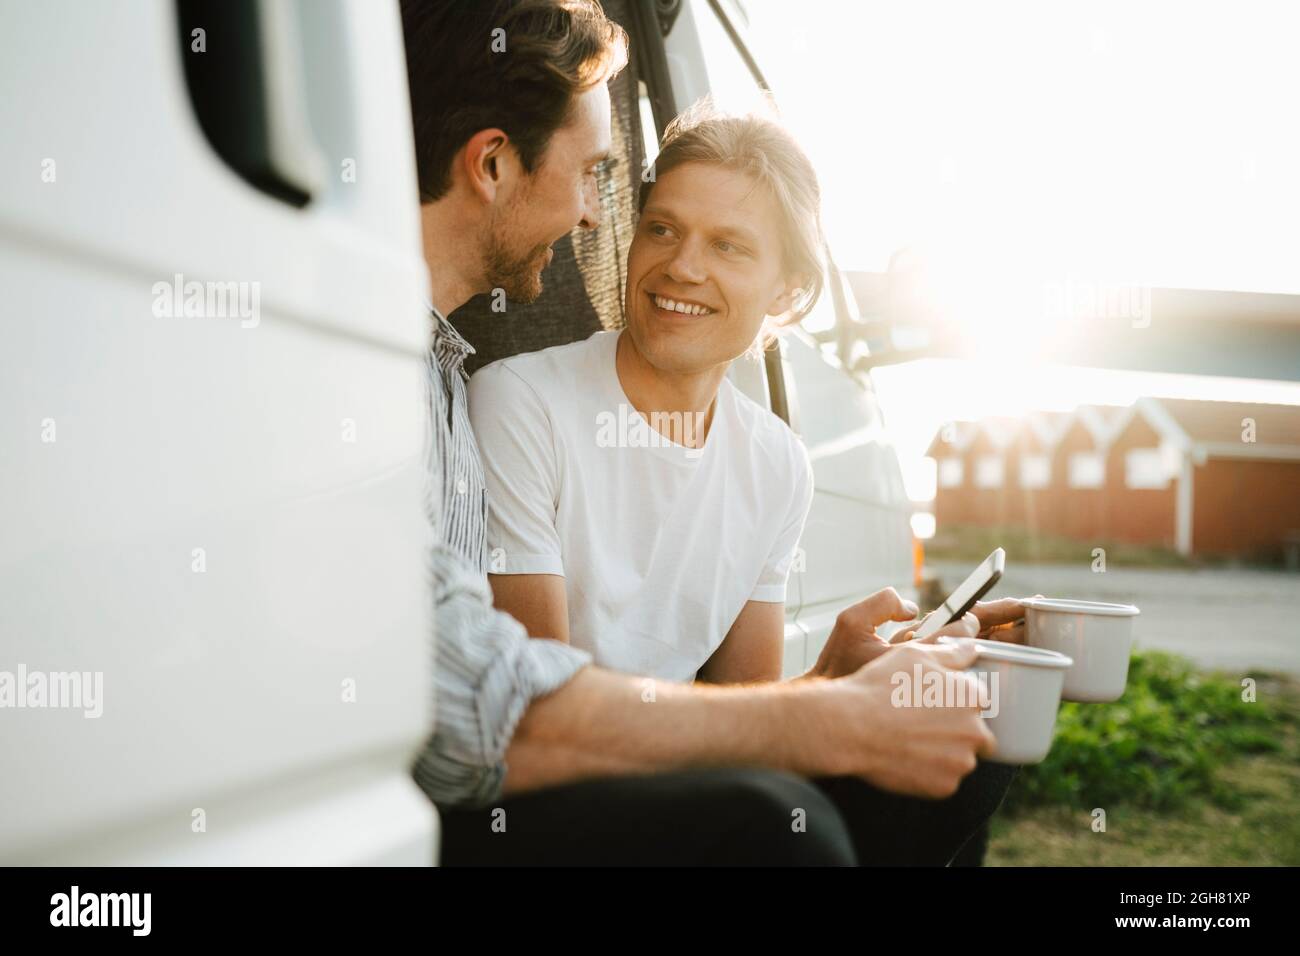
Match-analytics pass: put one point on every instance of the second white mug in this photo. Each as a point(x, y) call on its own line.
point(1099, 637)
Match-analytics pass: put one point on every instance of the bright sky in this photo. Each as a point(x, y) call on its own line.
point(1154, 143)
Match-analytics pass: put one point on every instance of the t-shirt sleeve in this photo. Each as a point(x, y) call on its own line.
point(772, 580)
point(516, 442)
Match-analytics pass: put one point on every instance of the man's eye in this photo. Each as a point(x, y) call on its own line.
point(727, 248)
point(659, 229)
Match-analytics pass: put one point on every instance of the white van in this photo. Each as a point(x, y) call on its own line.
point(211, 435)
point(211, 358)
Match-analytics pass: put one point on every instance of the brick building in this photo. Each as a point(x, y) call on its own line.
point(1207, 478)
point(1202, 478)
point(1075, 496)
point(949, 451)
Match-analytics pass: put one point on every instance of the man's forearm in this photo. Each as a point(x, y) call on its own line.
point(603, 723)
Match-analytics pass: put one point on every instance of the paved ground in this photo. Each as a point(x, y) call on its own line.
point(1235, 620)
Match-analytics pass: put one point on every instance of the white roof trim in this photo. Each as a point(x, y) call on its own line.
point(1232, 449)
point(1102, 433)
point(1047, 432)
point(1165, 425)
point(1001, 437)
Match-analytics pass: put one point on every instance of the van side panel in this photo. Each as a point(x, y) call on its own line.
point(216, 511)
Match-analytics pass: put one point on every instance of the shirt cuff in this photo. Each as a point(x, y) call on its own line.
point(542, 667)
point(769, 594)
point(527, 564)
point(487, 672)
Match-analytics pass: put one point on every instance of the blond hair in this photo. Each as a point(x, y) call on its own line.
point(765, 150)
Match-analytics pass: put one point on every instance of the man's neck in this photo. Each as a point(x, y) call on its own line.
point(454, 268)
point(677, 405)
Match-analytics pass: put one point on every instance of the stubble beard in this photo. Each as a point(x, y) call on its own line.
point(519, 276)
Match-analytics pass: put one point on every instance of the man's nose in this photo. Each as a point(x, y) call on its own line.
point(685, 265)
point(590, 207)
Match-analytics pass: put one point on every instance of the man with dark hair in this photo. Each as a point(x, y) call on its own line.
point(583, 765)
point(539, 55)
point(527, 100)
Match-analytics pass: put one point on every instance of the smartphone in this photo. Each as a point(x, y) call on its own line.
point(961, 600)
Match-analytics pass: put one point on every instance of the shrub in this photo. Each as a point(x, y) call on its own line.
point(1157, 747)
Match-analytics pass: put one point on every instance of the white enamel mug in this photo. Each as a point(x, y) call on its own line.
point(1024, 693)
point(1098, 636)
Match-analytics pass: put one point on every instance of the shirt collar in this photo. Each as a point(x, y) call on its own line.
point(448, 346)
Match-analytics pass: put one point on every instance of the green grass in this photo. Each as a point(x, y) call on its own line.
point(1187, 773)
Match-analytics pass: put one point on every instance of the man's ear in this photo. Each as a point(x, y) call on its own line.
point(784, 301)
point(486, 161)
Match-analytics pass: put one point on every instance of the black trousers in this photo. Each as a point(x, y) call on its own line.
point(723, 817)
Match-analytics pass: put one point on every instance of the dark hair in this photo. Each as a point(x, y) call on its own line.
point(511, 64)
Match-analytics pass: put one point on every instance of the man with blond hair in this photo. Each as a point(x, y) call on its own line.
point(664, 548)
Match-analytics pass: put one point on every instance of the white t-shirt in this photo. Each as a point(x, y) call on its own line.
point(660, 545)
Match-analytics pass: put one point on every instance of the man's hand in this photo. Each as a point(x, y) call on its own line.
point(968, 626)
point(924, 751)
point(854, 641)
point(1002, 620)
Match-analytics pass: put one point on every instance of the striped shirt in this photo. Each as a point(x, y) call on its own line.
point(487, 670)
point(460, 510)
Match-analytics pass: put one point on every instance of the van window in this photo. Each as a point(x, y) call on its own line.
point(731, 82)
point(649, 132)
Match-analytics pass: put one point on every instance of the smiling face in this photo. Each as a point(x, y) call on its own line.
point(544, 206)
point(704, 269)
